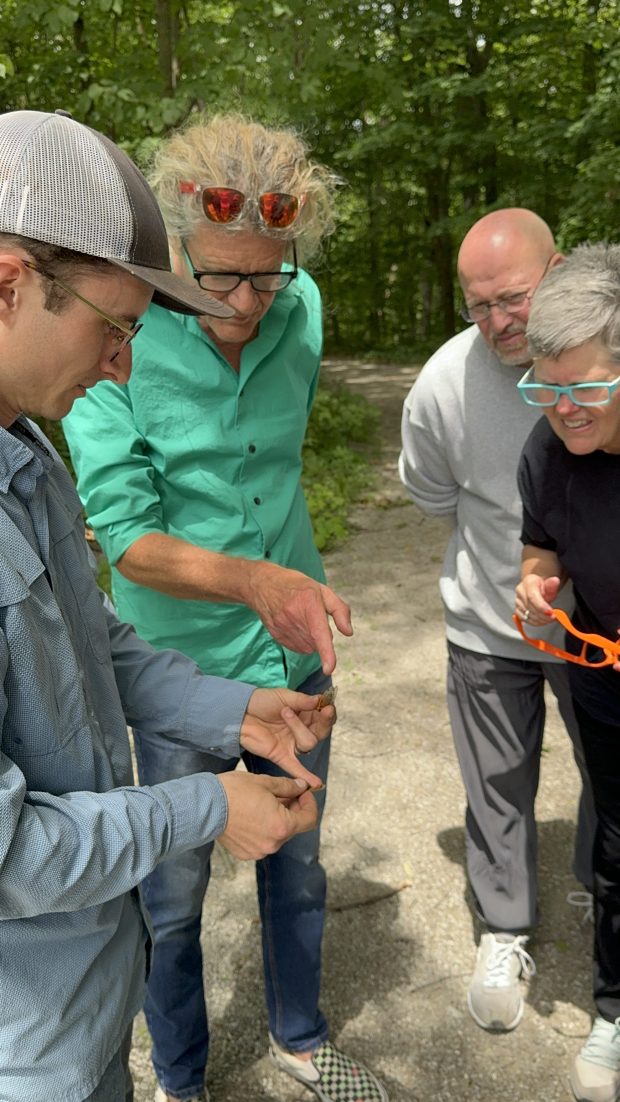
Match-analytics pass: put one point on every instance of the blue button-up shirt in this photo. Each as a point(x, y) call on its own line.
point(75, 835)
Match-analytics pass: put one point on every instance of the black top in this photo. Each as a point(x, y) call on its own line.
point(571, 505)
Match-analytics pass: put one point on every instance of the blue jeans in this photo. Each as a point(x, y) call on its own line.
point(291, 895)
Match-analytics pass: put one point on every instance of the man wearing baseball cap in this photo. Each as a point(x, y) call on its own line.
point(83, 250)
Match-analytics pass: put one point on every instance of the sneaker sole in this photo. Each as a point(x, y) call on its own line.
point(495, 1027)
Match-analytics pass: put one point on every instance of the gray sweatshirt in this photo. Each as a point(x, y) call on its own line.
point(464, 425)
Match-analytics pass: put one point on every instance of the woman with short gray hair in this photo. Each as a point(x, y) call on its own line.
point(569, 476)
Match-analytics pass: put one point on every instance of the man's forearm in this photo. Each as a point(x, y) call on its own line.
point(173, 566)
point(294, 608)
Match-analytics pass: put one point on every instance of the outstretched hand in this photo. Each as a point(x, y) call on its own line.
point(264, 812)
point(295, 609)
point(279, 724)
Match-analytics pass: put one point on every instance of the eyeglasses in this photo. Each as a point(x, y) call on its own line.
point(609, 647)
point(508, 304)
point(121, 334)
point(580, 394)
point(277, 209)
point(224, 282)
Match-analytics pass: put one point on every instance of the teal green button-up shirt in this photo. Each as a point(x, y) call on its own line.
point(192, 449)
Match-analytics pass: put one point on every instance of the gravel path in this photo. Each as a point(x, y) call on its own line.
point(399, 945)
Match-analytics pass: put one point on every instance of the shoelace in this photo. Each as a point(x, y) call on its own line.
point(584, 901)
point(601, 1048)
point(498, 972)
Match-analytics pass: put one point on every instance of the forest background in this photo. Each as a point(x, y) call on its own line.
point(432, 113)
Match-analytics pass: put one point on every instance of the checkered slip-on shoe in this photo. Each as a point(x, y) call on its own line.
point(331, 1074)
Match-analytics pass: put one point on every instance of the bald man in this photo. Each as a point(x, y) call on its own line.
point(463, 428)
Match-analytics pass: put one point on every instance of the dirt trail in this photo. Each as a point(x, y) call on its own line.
point(399, 936)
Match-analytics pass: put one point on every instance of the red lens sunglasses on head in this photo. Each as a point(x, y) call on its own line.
point(277, 209)
point(610, 649)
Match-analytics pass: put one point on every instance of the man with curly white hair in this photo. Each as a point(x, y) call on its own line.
point(190, 475)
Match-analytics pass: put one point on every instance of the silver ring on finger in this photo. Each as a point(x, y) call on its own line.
point(526, 614)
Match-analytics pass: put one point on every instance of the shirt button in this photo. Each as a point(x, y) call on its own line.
point(252, 449)
point(257, 501)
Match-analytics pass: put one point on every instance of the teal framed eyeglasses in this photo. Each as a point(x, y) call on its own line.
point(580, 394)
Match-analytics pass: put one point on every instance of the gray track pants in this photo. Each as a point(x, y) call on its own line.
point(497, 713)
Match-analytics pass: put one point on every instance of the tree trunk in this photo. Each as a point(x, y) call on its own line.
point(167, 32)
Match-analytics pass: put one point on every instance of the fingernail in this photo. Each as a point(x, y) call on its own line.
point(300, 783)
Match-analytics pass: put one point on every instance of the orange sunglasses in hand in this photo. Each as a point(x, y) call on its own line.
point(610, 649)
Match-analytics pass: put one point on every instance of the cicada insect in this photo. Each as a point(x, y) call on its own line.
point(328, 697)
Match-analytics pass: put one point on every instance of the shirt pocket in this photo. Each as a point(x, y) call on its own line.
point(40, 682)
point(79, 595)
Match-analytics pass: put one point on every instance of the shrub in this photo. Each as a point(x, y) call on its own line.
point(342, 437)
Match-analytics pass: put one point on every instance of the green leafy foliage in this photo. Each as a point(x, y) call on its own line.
point(432, 113)
point(341, 439)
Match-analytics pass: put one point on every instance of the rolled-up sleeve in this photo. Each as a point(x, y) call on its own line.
point(116, 479)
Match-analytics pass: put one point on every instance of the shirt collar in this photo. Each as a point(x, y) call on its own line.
point(19, 446)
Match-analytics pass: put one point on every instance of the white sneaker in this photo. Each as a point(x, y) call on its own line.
point(494, 997)
point(583, 901)
point(595, 1075)
point(161, 1096)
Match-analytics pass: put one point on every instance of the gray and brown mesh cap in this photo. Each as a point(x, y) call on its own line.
point(68, 185)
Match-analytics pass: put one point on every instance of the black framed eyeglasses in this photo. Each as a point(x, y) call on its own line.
point(122, 335)
point(224, 282)
point(508, 304)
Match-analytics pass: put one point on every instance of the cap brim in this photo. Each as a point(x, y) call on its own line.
point(172, 292)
